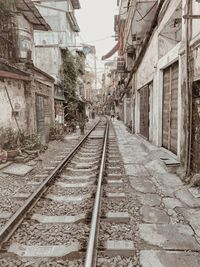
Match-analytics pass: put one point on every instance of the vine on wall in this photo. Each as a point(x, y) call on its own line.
point(7, 5)
point(69, 83)
point(69, 72)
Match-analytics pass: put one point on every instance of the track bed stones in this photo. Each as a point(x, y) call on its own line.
point(115, 205)
point(118, 260)
point(48, 207)
point(60, 191)
point(14, 261)
point(41, 234)
point(61, 218)
point(115, 231)
point(68, 199)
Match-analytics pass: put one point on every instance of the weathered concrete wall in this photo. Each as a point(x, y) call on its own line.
point(16, 91)
point(195, 166)
point(145, 74)
point(195, 22)
point(147, 68)
point(23, 99)
point(196, 62)
point(25, 36)
point(48, 44)
point(195, 84)
point(49, 60)
point(58, 22)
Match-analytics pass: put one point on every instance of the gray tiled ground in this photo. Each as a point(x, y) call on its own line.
point(169, 228)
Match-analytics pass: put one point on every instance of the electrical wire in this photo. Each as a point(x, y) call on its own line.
point(143, 17)
point(99, 40)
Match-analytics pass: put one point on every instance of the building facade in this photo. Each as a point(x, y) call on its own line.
point(26, 92)
point(50, 47)
point(161, 51)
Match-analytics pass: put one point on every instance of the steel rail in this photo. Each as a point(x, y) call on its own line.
point(90, 260)
point(13, 223)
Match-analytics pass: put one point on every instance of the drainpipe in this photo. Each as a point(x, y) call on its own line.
point(188, 86)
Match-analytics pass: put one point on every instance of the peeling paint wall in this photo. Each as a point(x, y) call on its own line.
point(16, 91)
point(195, 80)
point(49, 60)
point(23, 99)
point(25, 36)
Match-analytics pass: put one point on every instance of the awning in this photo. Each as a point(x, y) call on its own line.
point(111, 52)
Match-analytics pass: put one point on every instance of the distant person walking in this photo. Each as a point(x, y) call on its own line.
point(112, 115)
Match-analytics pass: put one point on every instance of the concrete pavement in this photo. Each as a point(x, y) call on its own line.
point(169, 229)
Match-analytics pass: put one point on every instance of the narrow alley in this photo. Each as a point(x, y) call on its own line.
point(100, 133)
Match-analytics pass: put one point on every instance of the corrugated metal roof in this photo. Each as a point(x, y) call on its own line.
point(31, 13)
point(76, 4)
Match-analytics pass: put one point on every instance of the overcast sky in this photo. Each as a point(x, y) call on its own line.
point(96, 21)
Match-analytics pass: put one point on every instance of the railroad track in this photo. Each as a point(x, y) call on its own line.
point(17, 186)
point(64, 221)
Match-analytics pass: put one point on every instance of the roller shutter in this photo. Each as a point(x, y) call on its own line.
point(144, 111)
point(170, 108)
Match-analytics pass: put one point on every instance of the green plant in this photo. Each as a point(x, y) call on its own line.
point(69, 80)
point(69, 84)
point(9, 138)
point(7, 5)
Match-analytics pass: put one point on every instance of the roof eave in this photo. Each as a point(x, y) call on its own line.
point(32, 14)
point(76, 4)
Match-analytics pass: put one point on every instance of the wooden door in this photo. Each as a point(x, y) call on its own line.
point(170, 108)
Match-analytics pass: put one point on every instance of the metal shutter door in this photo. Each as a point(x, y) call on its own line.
point(144, 111)
point(166, 108)
point(174, 108)
point(170, 108)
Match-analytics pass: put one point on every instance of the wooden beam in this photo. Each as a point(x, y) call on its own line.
point(191, 16)
point(15, 76)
